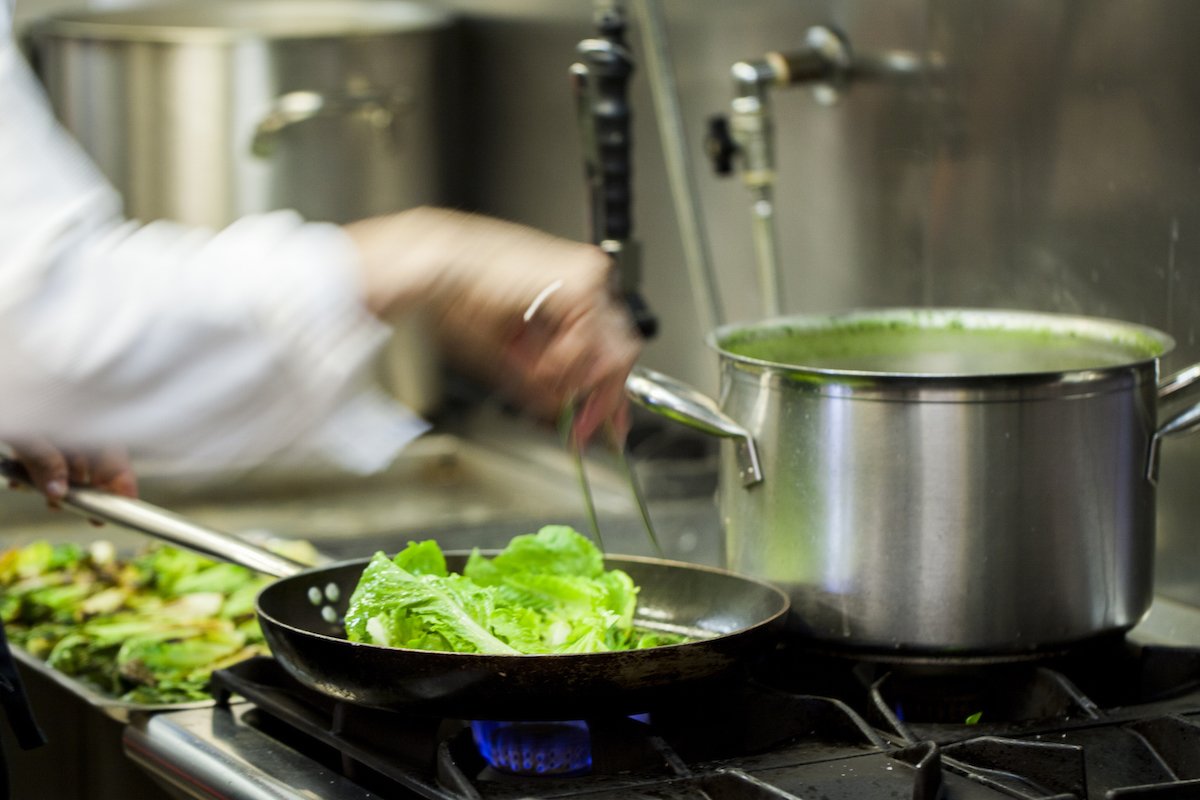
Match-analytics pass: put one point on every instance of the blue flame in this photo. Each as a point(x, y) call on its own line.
point(535, 748)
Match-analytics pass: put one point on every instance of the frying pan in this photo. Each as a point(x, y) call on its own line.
point(731, 617)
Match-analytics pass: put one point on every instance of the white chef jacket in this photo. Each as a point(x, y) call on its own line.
point(196, 349)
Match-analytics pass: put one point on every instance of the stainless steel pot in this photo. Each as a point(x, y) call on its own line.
point(941, 481)
point(204, 112)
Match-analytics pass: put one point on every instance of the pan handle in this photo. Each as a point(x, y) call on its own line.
point(677, 401)
point(143, 517)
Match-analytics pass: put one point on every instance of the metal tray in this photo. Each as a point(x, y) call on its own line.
point(120, 710)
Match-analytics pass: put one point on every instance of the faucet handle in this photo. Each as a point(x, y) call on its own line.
point(719, 145)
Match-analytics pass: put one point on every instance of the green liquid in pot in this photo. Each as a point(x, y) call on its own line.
point(904, 348)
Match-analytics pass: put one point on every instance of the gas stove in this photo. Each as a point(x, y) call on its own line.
point(1115, 720)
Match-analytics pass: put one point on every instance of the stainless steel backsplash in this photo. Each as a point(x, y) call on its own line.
point(1048, 158)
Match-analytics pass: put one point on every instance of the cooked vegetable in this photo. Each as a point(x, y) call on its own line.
point(544, 593)
point(150, 629)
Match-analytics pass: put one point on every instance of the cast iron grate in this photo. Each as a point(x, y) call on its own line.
point(1124, 727)
point(756, 727)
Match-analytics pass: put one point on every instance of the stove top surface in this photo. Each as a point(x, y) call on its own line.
point(1114, 721)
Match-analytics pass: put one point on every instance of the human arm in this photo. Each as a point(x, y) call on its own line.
point(199, 350)
point(214, 349)
point(536, 315)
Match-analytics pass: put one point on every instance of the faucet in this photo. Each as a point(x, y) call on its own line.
point(747, 136)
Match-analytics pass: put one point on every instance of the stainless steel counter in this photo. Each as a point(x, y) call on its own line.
point(215, 754)
point(205, 754)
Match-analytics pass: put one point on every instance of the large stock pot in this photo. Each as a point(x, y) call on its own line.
point(941, 481)
point(204, 112)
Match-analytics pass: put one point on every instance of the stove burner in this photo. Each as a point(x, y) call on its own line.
point(1115, 721)
point(993, 696)
point(535, 748)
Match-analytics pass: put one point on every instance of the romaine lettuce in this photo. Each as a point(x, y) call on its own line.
point(546, 592)
point(147, 629)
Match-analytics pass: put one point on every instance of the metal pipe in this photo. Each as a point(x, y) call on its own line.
point(823, 63)
point(684, 192)
point(766, 249)
point(752, 127)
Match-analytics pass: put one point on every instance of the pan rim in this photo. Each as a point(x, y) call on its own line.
point(782, 607)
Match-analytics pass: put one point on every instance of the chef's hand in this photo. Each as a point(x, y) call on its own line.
point(534, 313)
point(52, 470)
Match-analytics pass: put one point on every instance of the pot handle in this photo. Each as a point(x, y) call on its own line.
point(681, 403)
point(143, 517)
point(1176, 390)
point(292, 108)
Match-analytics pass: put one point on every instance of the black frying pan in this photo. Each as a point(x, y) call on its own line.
point(300, 615)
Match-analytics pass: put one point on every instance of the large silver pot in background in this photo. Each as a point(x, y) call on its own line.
point(203, 112)
point(949, 482)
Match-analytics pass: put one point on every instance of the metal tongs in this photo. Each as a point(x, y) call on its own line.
point(566, 422)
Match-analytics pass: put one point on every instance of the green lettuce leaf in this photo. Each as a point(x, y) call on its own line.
point(223, 578)
point(393, 607)
point(422, 558)
point(553, 550)
point(546, 592)
point(152, 626)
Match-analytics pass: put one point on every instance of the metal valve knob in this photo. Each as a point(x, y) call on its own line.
point(719, 145)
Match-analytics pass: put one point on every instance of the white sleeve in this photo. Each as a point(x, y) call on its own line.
point(196, 349)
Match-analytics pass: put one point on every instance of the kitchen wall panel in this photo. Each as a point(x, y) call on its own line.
point(851, 184)
point(1048, 157)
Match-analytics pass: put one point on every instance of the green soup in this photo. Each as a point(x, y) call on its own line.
point(907, 348)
